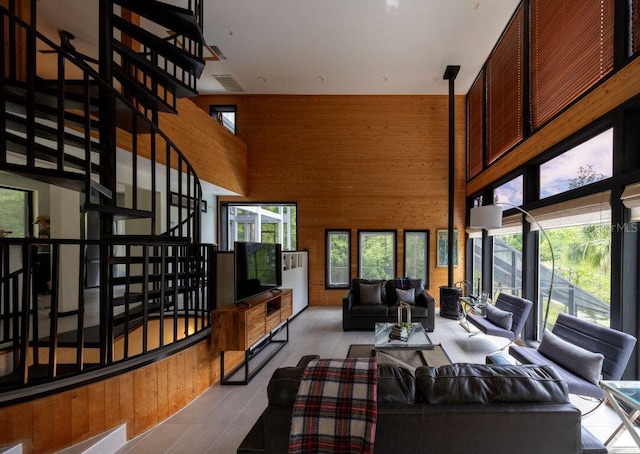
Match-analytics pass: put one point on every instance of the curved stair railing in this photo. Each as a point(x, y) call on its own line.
point(154, 276)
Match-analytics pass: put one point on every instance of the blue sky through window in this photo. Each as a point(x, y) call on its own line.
point(595, 154)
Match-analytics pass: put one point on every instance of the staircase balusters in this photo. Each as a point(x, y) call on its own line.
point(169, 273)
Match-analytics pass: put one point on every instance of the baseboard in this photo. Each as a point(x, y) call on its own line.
point(110, 441)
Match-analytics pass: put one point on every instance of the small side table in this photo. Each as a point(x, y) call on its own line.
point(470, 304)
point(627, 391)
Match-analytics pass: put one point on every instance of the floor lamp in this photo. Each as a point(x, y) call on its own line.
point(490, 217)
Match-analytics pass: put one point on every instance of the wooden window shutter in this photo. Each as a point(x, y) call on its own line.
point(504, 90)
point(475, 102)
point(571, 49)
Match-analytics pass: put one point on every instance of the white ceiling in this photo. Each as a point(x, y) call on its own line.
point(326, 46)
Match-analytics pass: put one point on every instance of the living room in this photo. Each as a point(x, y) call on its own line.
point(378, 163)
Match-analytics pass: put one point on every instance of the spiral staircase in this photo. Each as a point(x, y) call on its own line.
point(91, 126)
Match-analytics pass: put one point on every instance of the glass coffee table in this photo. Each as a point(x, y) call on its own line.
point(627, 392)
point(418, 339)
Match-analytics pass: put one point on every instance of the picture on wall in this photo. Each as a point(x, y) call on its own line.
point(443, 246)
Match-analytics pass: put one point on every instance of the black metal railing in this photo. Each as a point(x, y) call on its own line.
point(155, 290)
point(163, 298)
point(507, 276)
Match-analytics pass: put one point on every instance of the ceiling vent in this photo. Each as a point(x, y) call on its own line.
point(217, 52)
point(227, 82)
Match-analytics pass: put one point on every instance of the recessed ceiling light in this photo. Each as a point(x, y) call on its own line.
point(384, 78)
point(320, 79)
point(262, 79)
point(475, 5)
point(228, 31)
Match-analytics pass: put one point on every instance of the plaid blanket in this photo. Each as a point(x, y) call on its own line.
point(336, 407)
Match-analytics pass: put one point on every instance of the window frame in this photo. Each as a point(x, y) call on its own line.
point(214, 109)
point(27, 210)
point(394, 234)
point(427, 267)
point(327, 262)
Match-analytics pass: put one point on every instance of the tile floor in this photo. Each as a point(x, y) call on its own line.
point(217, 421)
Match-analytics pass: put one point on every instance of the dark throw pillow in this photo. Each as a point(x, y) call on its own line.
point(499, 317)
point(408, 296)
point(403, 283)
point(584, 363)
point(370, 294)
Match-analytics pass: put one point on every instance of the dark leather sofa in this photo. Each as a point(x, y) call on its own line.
point(363, 317)
point(459, 408)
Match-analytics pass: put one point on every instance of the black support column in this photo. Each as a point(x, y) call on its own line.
point(450, 74)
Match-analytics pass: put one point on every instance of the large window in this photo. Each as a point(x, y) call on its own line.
point(14, 212)
point(264, 223)
point(507, 264)
point(416, 255)
point(580, 233)
point(476, 264)
point(584, 164)
point(582, 282)
point(337, 258)
point(509, 193)
point(377, 254)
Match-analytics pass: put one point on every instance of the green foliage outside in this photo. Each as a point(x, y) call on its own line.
point(12, 212)
point(582, 256)
point(339, 258)
point(377, 256)
point(415, 266)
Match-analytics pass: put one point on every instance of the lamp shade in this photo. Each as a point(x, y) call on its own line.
point(485, 217)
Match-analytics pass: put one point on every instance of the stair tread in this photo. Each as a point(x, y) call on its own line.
point(165, 79)
point(15, 104)
point(132, 298)
point(17, 123)
point(69, 180)
point(144, 95)
point(179, 20)
point(118, 213)
point(180, 57)
point(42, 152)
point(153, 278)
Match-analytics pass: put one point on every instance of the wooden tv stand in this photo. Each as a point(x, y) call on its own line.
point(250, 327)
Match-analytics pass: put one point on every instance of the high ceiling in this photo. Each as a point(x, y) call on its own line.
point(326, 46)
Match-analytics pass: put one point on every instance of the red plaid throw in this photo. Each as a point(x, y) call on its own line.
point(336, 409)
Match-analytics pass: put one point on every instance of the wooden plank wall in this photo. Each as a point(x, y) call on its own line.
point(141, 399)
point(354, 162)
point(218, 156)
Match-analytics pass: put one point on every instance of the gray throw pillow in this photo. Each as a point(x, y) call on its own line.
point(584, 363)
point(408, 296)
point(370, 294)
point(499, 317)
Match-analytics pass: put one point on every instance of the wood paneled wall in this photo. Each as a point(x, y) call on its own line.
point(141, 399)
point(218, 156)
point(354, 162)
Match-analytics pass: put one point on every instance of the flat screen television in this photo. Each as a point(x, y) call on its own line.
point(258, 268)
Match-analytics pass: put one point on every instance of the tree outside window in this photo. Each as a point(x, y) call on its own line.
point(338, 258)
point(14, 211)
point(377, 254)
point(416, 255)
